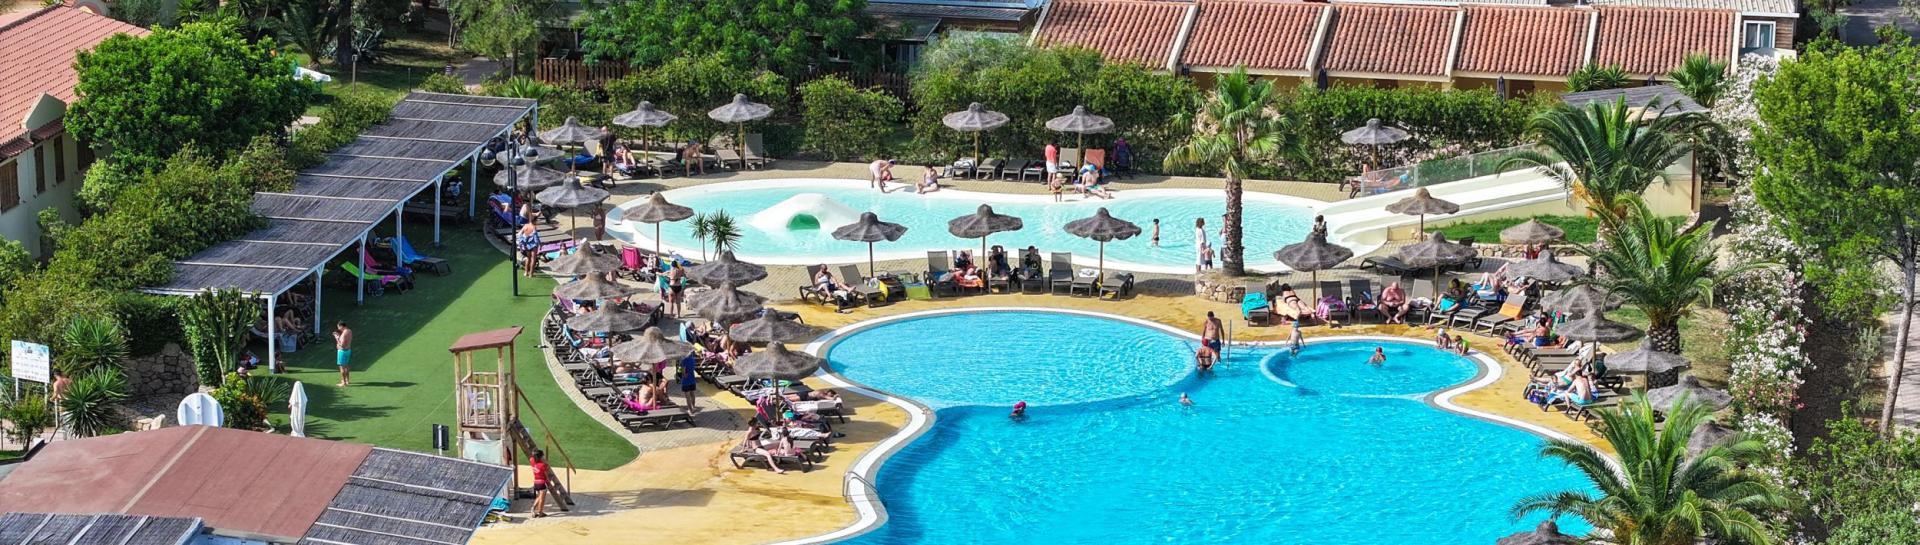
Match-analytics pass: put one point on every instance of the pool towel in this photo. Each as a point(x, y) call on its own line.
point(1252, 302)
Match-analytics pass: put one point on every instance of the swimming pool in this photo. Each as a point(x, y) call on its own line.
point(1318, 448)
point(779, 232)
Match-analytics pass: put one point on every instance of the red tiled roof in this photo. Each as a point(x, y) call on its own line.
point(1523, 40)
point(1383, 39)
point(1139, 31)
point(1260, 34)
point(1655, 41)
point(238, 480)
point(39, 50)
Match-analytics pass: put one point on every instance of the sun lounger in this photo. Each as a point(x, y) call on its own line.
point(741, 456)
point(1116, 285)
point(1337, 308)
point(1510, 311)
point(1034, 168)
point(850, 274)
point(757, 151)
point(1361, 299)
point(1389, 265)
point(940, 273)
point(1060, 275)
point(989, 169)
point(1256, 309)
point(377, 283)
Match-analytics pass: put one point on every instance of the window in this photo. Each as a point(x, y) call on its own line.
point(1758, 35)
point(40, 165)
point(86, 156)
point(60, 160)
point(9, 185)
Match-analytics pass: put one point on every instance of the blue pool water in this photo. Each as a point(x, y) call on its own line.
point(1269, 224)
point(1319, 448)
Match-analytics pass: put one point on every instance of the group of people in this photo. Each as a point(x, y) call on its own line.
point(832, 288)
point(880, 172)
point(1577, 384)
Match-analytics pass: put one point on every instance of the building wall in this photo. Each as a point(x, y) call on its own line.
point(1515, 87)
point(21, 222)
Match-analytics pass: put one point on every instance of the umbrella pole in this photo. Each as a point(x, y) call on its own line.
point(741, 145)
point(1080, 143)
point(656, 240)
point(976, 149)
point(1316, 286)
point(870, 272)
point(1103, 262)
point(1422, 235)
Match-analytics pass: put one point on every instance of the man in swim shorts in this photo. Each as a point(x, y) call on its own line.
point(343, 350)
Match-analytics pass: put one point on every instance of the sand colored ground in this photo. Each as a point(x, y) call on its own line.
point(693, 495)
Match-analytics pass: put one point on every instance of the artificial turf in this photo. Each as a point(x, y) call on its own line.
point(403, 374)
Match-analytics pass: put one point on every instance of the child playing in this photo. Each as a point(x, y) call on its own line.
point(1445, 342)
point(1156, 232)
point(1206, 256)
point(1379, 356)
point(1058, 182)
point(1460, 345)
point(1184, 400)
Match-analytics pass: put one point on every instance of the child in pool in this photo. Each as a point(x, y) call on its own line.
point(1460, 344)
point(1184, 400)
point(1295, 339)
point(1019, 411)
point(1379, 356)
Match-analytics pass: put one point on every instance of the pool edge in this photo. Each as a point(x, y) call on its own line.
point(871, 511)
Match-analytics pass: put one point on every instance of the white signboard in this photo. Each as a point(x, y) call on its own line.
point(32, 362)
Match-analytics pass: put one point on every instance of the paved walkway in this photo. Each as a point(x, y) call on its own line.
point(1906, 408)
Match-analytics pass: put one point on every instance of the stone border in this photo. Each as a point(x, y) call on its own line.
point(872, 513)
point(639, 236)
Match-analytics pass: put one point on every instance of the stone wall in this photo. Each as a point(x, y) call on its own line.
point(167, 372)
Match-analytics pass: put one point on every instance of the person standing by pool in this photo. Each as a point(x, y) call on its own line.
point(676, 286)
point(1295, 339)
point(1211, 332)
point(689, 380)
point(1379, 356)
point(343, 351)
point(1200, 244)
point(1206, 256)
point(1156, 232)
point(1052, 153)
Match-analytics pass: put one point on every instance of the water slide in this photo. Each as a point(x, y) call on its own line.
point(805, 211)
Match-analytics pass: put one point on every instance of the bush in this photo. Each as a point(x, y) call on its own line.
point(1595, 77)
point(148, 97)
point(241, 404)
point(351, 113)
point(90, 407)
point(1032, 85)
point(846, 122)
point(94, 341)
point(188, 205)
point(689, 87)
point(1442, 124)
point(30, 415)
point(517, 87)
point(1862, 485)
point(106, 179)
point(216, 324)
point(442, 83)
point(561, 104)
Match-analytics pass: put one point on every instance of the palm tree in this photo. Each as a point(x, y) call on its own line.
point(1659, 493)
point(1658, 268)
point(703, 228)
point(1235, 128)
point(1596, 77)
point(91, 405)
point(723, 231)
point(91, 341)
point(1701, 78)
point(1606, 150)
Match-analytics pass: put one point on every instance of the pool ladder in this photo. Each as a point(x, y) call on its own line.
point(847, 489)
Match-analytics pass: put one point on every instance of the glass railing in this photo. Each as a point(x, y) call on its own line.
point(1440, 171)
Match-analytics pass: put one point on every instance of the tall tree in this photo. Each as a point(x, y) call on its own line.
point(1659, 493)
point(1234, 129)
point(1838, 137)
point(146, 98)
point(506, 30)
point(786, 36)
point(1701, 78)
point(1605, 150)
point(1663, 270)
point(216, 323)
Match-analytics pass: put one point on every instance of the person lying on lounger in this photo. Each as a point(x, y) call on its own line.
point(1291, 305)
point(768, 446)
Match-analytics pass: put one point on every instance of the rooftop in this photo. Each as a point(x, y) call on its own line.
point(263, 486)
point(1655, 41)
point(1401, 40)
point(1140, 31)
point(1515, 40)
point(1261, 35)
point(1772, 7)
point(40, 48)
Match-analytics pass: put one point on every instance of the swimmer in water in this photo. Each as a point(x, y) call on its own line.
point(1019, 411)
point(1379, 356)
point(1295, 339)
point(1184, 400)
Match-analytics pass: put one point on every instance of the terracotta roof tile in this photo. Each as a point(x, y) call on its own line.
point(39, 50)
point(1655, 41)
point(1523, 41)
point(1139, 31)
point(1390, 39)
point(1260, 34)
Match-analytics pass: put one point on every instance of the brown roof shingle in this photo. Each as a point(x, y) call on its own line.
point(1259, 34)
point(1383, 39)
point(1139, 31)
point(1655, 41)
point(39, 50)
point(1523, 40)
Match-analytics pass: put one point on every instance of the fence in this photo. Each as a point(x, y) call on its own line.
point(1440, 171)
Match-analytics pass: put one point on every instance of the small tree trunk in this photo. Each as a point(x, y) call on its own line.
point(343, 33)
point(1232, 260)
point(1907, 271)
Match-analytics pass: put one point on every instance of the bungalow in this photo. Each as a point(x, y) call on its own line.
point(40, 164)
point(1511, 45)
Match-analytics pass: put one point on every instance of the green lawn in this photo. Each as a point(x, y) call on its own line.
point(1579, 228)
point(405, 60)
point(403, 374)
point(1703, 338)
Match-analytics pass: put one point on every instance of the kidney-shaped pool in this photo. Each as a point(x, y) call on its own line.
point(1316, 448)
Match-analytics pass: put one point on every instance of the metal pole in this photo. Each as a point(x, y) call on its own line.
point(436, 210)
point(360, 280)
point(273, 336)
point(473, 191)
point(317, 296)
point(513, 242)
